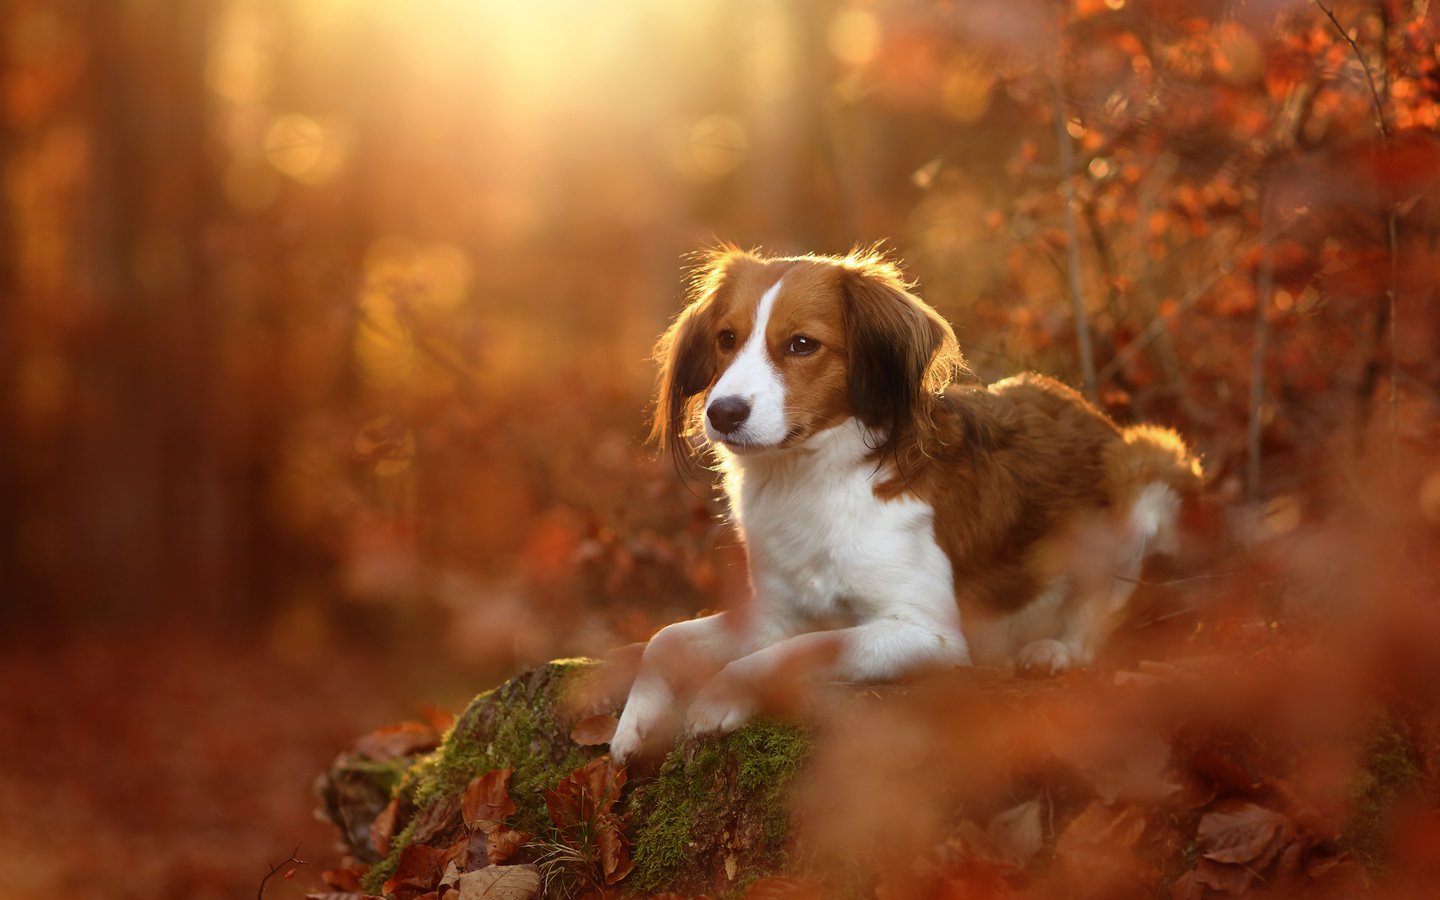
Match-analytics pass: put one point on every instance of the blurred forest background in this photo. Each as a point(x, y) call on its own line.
point(324, 331)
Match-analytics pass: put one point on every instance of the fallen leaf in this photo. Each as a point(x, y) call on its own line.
point(1233, 880)
point(783, 888)
point(594, 730)
point(438, 718)
point(1017, 833)
point(418, 871)
point(589, 790)
point(452, 874)
point(486, 801)
point(1187, 887)
point(502, 843)
point(500, 883)
point(615, 859)
point(1102, 825)
point(383, 827)
point(1241, 833)
point(343, 895)
point(395, 741)
point(345, 879)
point(436, 818)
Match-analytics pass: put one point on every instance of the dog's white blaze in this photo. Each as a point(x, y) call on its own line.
point(753, 377)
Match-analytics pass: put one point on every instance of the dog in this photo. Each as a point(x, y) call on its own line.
point(894, 521)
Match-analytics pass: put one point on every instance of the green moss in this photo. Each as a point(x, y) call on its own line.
point(517, 726)
point(380, 873)
point(683, 812)
point(1390, 771)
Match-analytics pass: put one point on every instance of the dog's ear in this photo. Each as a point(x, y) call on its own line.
point(686, 353)
point(900, 350)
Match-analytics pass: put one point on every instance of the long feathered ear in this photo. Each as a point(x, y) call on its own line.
point(901, 351)
point(686, 352)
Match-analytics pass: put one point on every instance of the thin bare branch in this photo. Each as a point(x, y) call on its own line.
point(1369, 75)
point(1264, 287)
point(1072, 235)
point(294, 860)
point(1392, 249)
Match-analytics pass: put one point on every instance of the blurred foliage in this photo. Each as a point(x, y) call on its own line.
point(333, 303)
point(332, 317)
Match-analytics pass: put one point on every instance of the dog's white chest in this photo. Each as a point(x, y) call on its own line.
point(822, 545)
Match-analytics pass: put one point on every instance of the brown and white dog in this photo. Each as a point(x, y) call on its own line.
point(894, 522)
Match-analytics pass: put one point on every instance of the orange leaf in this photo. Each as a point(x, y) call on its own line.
point(395, 741)
point(418, 872)
point(383, 827)
point(614, 850)
point(502, 844)
point(1243, 834)
point(486, 801)
point(594, 730)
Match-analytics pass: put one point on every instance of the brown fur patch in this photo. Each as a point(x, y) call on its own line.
point(1019, 465)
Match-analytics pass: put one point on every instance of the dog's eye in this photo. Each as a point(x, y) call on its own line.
point(726, 339)
point(800, 345)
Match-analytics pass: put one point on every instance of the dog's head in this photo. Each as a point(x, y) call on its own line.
point(770, 351)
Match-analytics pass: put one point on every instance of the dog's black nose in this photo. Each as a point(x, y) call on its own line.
point(728, 414)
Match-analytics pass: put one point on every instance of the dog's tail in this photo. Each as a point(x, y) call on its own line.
point(1150, 473)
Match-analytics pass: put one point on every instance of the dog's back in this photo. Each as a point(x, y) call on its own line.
point(1037, 494)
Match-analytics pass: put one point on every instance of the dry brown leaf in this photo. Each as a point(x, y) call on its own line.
point(346, 878)
point(615, 859)
point(1233, 880)
point(486, 801)
point(343, 895)
point(395, 741)
point(502, 843)
point(439, 816)
point(1187, 887)
point(383, 827)
point(500, 883)
point(418, 872)
point(595, 730)
point(1241, 833)
point(1102, 825)
point(1017, 832)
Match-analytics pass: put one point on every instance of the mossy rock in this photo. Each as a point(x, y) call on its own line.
point(715, 813)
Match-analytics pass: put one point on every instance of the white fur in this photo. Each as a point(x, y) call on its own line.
point(753, 377)
point(824, 550)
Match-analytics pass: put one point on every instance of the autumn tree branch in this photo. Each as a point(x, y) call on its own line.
point(1392, 224)
point(294, 860)
point(1072, 235)
point(1264, 287)
point(1369, 76)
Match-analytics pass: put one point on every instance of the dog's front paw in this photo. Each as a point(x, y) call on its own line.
point(723, 706)
point(641, 722)
point(1043, 659)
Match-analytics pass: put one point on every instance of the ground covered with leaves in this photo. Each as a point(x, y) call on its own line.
point(1258, 758)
